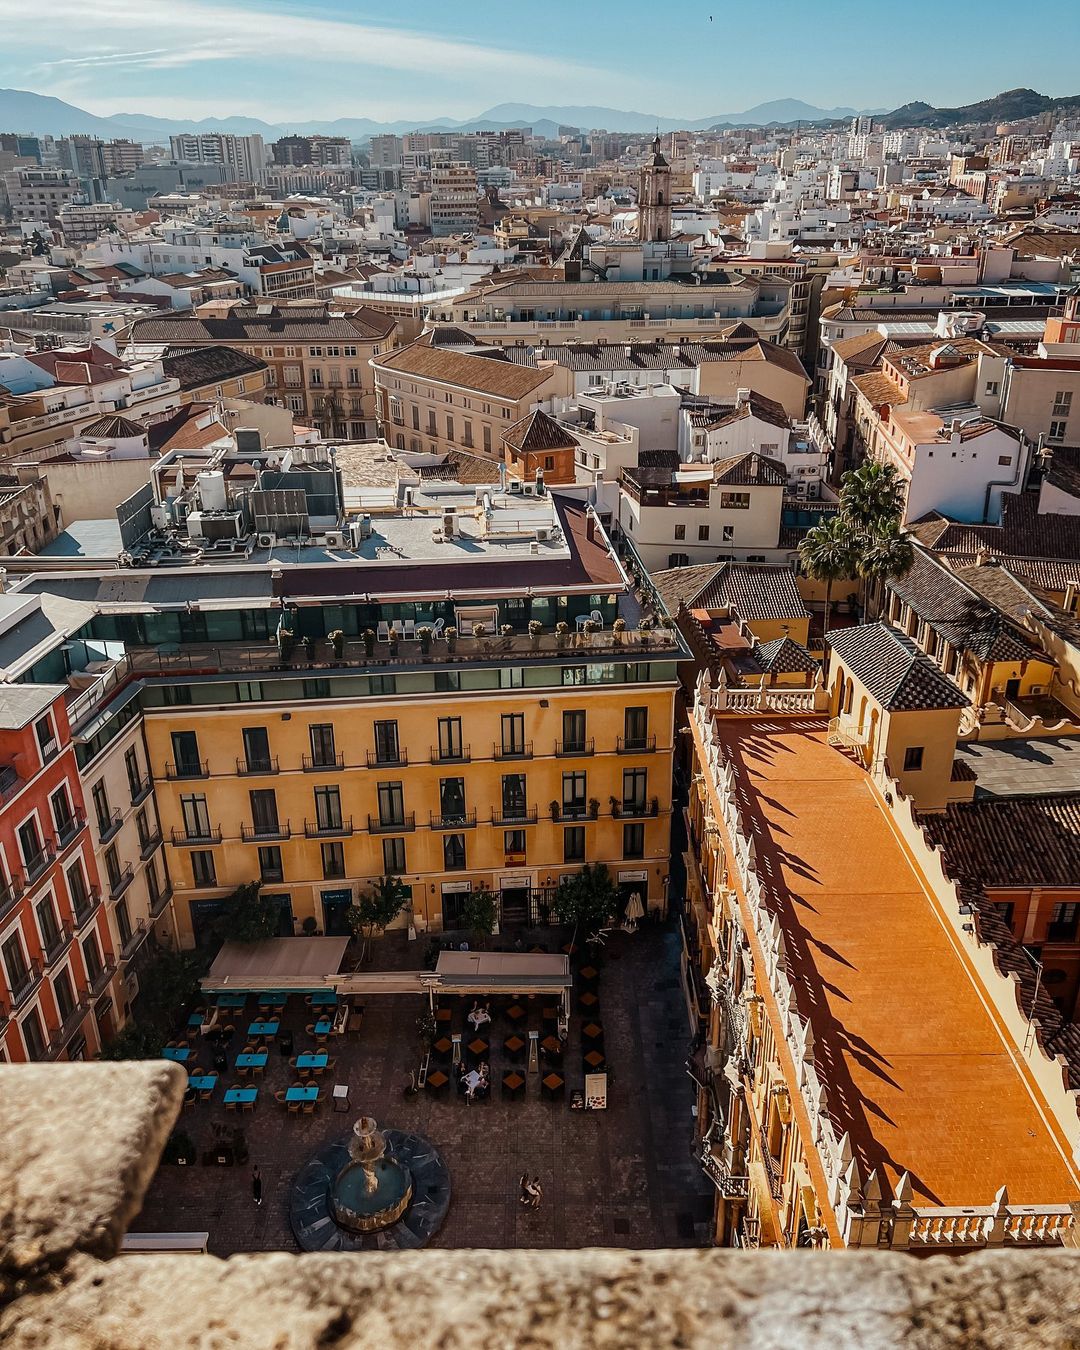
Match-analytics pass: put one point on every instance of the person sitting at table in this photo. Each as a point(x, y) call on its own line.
point(472, 1080)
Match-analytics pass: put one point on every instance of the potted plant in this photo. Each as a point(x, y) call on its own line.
point(554, 810)
point(369, 642)
point(478, 630)
point(425, 1032)
point(654, 806)
point(310, 926)
point(593, 629)
point(562, 633)
point(594, 808)
point(450, 634)
point(424, 634)
point(308, 645)
point(619, 629)
point(286, 641)
point(535, 629)
point(394, 637)
point(644, 631)
point(336, 640)
point(613, 802)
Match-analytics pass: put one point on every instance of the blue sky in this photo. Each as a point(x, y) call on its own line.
point(283, 60)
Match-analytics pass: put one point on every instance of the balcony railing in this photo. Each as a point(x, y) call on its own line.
point(86, 911)
point(250, 768)
point(520, 750)
point(37, 865)
point(149, 845)
point(28, 980)
point(635, 745)
point(514, 815)
point(157, 905)
point(99, 982)
point(575, 749)
point(141, 789)
point(10, 895)
point(459, 820)
point(54, 947)
point(323, 763)
point(636, 810)
point(265, 830)
point(68, 830)
point(64, 1033)
point(109, 826)
point(122, 882)
point(196, 836)
point(317, 829)
point(578, 811)
point(386, 759)
point(192, 769)
point(398, 825)
point(441, 755)
point(729, 1186)
point(134, 940)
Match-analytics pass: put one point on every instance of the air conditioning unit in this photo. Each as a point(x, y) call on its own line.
point(335, 539)
point(267, 540)
point(514, 485)
point(528, 489)
point(543, 533)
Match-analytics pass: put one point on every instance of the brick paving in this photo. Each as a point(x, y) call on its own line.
point(620, 1178)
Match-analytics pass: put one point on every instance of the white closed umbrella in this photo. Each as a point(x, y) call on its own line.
point(634, 912)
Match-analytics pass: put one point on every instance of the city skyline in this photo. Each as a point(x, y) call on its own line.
point(198, 60)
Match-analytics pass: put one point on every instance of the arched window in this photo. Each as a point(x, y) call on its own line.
point(660, 198)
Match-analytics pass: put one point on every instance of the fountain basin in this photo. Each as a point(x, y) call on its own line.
point(355, 1205)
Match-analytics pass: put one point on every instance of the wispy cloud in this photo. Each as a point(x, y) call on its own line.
point(234, 31)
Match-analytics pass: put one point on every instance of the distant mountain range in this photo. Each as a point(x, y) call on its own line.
point(21, 110)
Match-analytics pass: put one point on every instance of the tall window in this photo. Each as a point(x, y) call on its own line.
point(46, 737)
point(195, 815)
point(574, 793)
point(131, 767)
point(63, 816)
point(391, 804)
point(76, 886)
point(48, 925)
point(636, 728)
point(18, 972)
point(100, 798)
point(513, 795)
point(33, 851)
point(634, 789)
point(450, 744)
point(33, 1039)
point(112, 867)
point(322, 745)
point(270, 864)
point(452, 798)
point(386, 743)
point(633, 840)
point(513, 733)
point(92, 958)
point(393, 854)
point(327, 808)
point(203, 872)
point(64, 995)
point(256, 749)
point(333, 861)
point(514, 845)
point(264, 812)
point(573, 731)
point(574, 844)
point(123, 921)
point(453, 852)
point(185, 746)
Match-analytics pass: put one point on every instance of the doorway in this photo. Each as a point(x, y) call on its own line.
point(515, 903)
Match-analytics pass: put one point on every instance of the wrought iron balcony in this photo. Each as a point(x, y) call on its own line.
point(149, 845)
point(442, 755)
point(265, 830)
point(323, 763)
point(575, 749)
point(109, 826)
point(68, 830)
point(453, 820)
point(520, 750)
point(400, 824)
point(122, 882)
point(55, 946)
point(635, 745)
point(387, 759)
point(188, 769)
point(514, 815)
point(195, 836)
point(316, 829)
point(141, 788)
point(251, 768)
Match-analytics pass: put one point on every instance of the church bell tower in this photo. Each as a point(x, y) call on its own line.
point(654, 197)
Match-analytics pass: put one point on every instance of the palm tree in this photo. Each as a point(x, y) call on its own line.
point(828, 554)
point(887, 552)
point(871, 495)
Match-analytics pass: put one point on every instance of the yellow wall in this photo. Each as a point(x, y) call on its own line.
point(221, 744)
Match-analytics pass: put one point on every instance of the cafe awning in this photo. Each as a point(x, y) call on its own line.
point(297, 964)
point(502, 973)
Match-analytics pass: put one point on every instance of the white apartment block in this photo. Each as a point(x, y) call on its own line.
point(244, 155)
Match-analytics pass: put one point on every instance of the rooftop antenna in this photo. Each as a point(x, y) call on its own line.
point(1030, 1034)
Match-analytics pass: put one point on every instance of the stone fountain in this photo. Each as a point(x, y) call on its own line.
point(375, 1188)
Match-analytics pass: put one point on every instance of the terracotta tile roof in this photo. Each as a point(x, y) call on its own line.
point(750, 470)
point(753, 591)
point(195, 367)
point(878, 389)
point(860, 352)
point(1023, 532)
point(894, 670)
point(112, 427)
point(1011, 841)
point(784, 656)
point(960, 615)
point(536, 432)
point(483, 374)
point(682, 585)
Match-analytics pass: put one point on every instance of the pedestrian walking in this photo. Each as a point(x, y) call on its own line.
point(536, 1193)
point(523, 1189)
point(256, 1186)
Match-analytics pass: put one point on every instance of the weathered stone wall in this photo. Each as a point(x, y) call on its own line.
point(78, 1144)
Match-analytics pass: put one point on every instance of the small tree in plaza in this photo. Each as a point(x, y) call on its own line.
point(587, 899)
point(479, 913)
point(249, 916)
point(377, 908)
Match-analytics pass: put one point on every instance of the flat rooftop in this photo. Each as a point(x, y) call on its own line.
point(1022, 767)
point(916, 1068)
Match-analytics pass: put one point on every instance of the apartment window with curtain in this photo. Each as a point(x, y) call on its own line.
point(270, 864)
point(328, 808)
point(264, 812)
point(573, 731)
point(256, 749)
point(453, 852)
point(131, 768)
point(203, 872)
point(574, 844)
point(635, 789)
point(452, 798)
point(574, 793)
point(185, 747)
point(100, 797)
point(76, 887)
point(33, 1038)
point(391, 799)
point(513, 795)
point(636, 728)
point(333, 861)
point(386, 742)
point(64, 995)
point(633, 840)
point(321, 736)
point(393, 851)
point(92, 958)
point(513, 733)
point(450, 742)
point(196, 816)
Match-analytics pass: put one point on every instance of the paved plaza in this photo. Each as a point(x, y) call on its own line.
point(624, 1177)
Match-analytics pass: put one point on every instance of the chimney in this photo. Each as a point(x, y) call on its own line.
point(954, 426)
point(590, 524)
point(539, 482)
point(742, 395)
